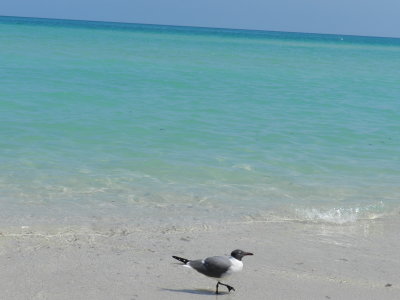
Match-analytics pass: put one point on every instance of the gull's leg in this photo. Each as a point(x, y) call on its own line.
point(216, 291)
point(230, 288)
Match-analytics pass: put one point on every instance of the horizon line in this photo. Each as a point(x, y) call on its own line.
point(201, 27)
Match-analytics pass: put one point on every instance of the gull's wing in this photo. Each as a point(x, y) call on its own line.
point(213, 266)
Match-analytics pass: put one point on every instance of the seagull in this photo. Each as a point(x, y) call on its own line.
point(217, 267)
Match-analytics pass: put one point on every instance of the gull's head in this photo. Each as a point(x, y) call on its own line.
point(238, 254)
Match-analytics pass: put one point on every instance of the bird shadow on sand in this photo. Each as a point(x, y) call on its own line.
point(196, 292)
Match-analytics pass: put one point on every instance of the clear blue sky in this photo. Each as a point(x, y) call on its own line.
point(358, 17)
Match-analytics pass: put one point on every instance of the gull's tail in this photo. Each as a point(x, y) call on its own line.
point(184, 260)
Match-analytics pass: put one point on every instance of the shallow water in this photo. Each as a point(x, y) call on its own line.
point(157, 124)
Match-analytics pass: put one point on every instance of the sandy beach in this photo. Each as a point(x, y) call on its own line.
point(292, 261)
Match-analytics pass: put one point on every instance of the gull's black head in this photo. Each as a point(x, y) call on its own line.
point(238, 254)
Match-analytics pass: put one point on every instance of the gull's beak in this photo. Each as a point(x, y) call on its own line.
point(248, 253)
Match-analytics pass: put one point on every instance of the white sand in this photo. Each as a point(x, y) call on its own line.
point(292, 261)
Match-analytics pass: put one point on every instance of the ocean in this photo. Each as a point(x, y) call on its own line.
point(151, 124)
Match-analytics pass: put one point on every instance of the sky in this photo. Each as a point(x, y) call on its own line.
point(353, 17)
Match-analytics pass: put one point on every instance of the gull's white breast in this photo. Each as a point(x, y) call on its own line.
point(237, 266)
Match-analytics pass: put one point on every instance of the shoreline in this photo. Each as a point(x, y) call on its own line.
point(293, 260)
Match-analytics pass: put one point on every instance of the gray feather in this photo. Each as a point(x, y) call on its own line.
point(213, 266)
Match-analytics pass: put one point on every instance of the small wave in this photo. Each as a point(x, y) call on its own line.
point(341, 215)
point(243, 167)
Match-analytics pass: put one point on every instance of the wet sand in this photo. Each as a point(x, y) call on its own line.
point(292, 260)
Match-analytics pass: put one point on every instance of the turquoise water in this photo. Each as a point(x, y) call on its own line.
point(160, 123)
